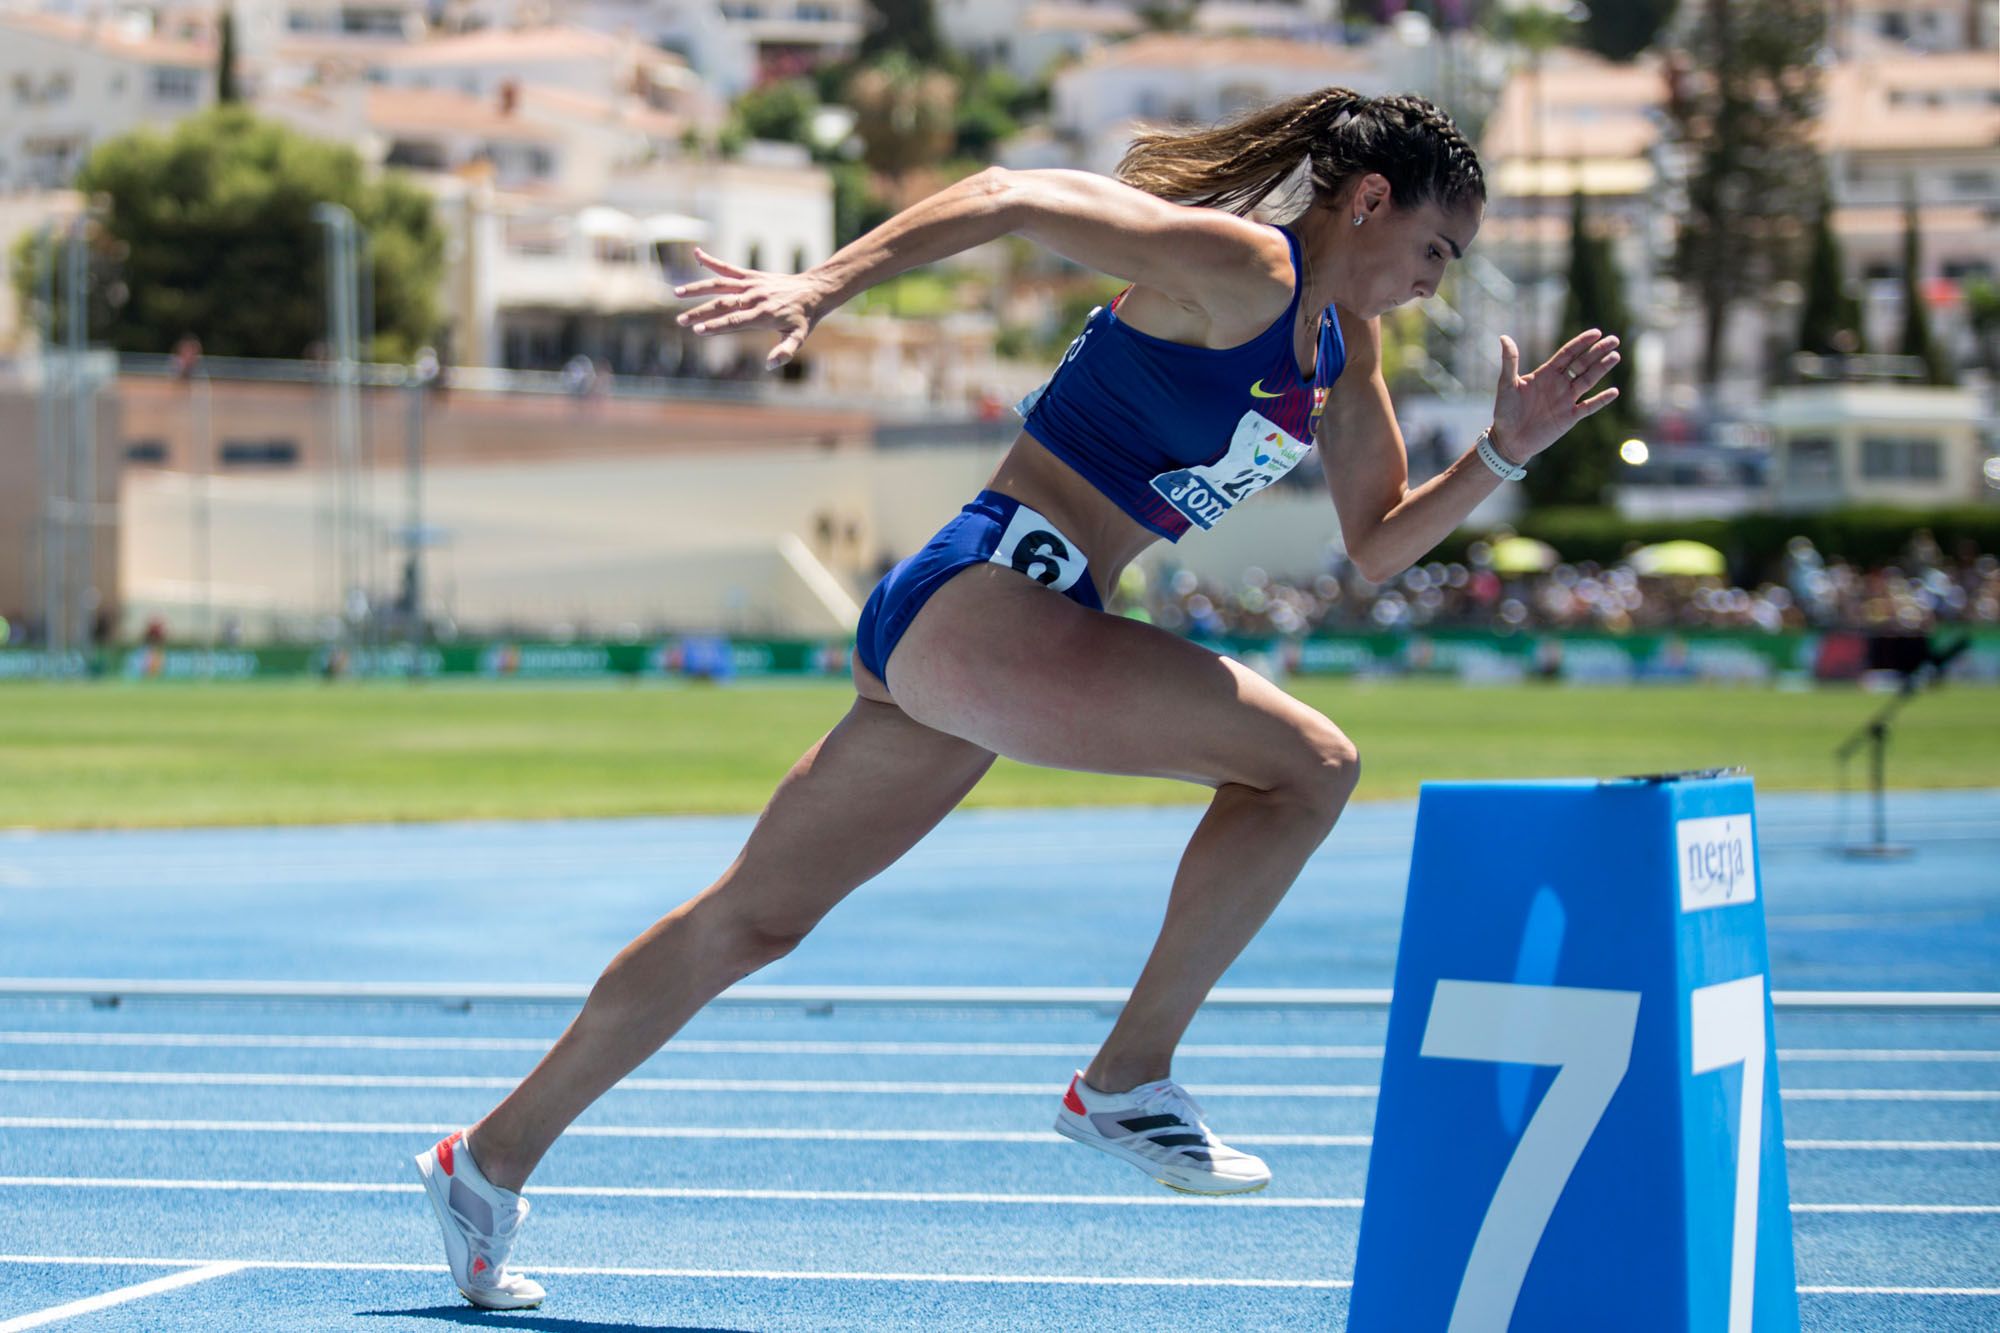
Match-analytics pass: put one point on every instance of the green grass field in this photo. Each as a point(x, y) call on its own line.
point(117, 755)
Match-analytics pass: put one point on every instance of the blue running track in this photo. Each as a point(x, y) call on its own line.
point(235, 1164)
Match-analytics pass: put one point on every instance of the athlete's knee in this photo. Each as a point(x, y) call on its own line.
point(759, 942)
point(1323, 767)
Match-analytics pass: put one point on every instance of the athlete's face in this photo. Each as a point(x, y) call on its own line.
point(1401, 253)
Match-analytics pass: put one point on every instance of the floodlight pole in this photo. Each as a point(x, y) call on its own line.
point(340, 324)
point(83, 508)
point(49, 439)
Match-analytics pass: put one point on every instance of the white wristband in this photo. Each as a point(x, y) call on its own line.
point(1491, 457)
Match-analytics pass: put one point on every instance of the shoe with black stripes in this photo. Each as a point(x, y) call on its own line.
point(1159, 1129)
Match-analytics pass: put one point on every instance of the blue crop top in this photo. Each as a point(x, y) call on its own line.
point(1177, 436)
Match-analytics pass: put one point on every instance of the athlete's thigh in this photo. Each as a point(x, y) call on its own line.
point(1022, 671)
point(866, 793)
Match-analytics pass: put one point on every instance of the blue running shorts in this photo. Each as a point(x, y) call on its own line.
point(994, 528)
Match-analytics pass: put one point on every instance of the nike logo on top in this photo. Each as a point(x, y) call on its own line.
point(1257, 391)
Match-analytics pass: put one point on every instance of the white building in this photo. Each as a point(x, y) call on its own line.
point(1577, 122)
point(1178, 77)
point(572, 215)
point(734, 45)
point(1031, 37)
point(582, 60)
point(1861, 28)
point(69, 84)
point(1874, 444)
point(1926, 127)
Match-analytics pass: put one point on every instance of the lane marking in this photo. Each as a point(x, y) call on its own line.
point(104, 1301)
point(781, 1275)
point(696, 1046)
point(1925, 1209)
point(866, 1088)
point(1308, 998)
point(1899, 1291)
point(1163, 1200)
point(847, 1196)
point(537, 1045)
point(777, 1133)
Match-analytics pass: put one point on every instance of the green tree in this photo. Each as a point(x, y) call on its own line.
point(905, 114)
point(1918, 340)
point(212, 230)
point(1830, 321)
point(857, 208)
point(782, 111)
point(1578, 470)
point(226, 91)
point(1621, 29)
point(908, 26)
point(1742, 97)
point(1982, 308)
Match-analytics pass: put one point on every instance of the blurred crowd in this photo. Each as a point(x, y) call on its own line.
point(1924, 590)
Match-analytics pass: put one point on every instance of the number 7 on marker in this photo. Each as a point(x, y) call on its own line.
point(1587, 1034)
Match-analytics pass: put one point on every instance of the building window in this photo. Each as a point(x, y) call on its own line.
point(175, 85)
point(259, 453)
point(146, 451)
point(416, 154)
point(1901, 460)
point(1809, 460)
point(1972, 184)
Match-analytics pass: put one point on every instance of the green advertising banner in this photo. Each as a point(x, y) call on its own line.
point(1469, 655)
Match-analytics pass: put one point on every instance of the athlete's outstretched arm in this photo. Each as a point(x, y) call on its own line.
point(1199, 256)
point(1387, 526)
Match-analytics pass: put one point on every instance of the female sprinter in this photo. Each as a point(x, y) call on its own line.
point(1236, 344)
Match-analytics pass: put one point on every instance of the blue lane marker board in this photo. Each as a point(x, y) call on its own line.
point(1579, 1123)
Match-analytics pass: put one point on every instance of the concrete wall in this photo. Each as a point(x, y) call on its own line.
point(601, 517)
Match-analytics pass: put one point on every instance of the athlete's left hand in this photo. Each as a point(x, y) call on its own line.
point(1533, 411)
point(748, 298)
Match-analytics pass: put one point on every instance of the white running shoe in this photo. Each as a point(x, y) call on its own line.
point(480, 1220)
point(1159, 1129)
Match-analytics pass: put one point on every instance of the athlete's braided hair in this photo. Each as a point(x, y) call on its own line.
point(1339, 132)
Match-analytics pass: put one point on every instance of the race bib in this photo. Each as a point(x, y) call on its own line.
point(1259, 453)
point(1032, 545)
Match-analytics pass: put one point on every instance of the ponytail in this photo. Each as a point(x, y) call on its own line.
point(1236, 165)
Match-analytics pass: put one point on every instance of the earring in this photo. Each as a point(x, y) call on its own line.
point(1357, 219)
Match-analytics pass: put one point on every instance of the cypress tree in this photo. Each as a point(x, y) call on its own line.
point(1917, 338)
point(226, 90)
point(1830, 309)
point(1578, 469)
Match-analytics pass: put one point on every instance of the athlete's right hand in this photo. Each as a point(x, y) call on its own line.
point(745, 298)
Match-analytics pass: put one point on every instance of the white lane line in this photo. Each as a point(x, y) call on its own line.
point(1926, 1209)
point(871, 1087)
point(822, 1087)
point(683, 1192)
point(1899, 1291)
point(785, 1134)
point(104, 1301)
point(537, 1045)
point(695, 1046)
point(845, 1196)
point(782, 1275)
point(741, 1274)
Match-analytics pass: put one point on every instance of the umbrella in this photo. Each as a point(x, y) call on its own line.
point(1522, 555)
point(1691, 559)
